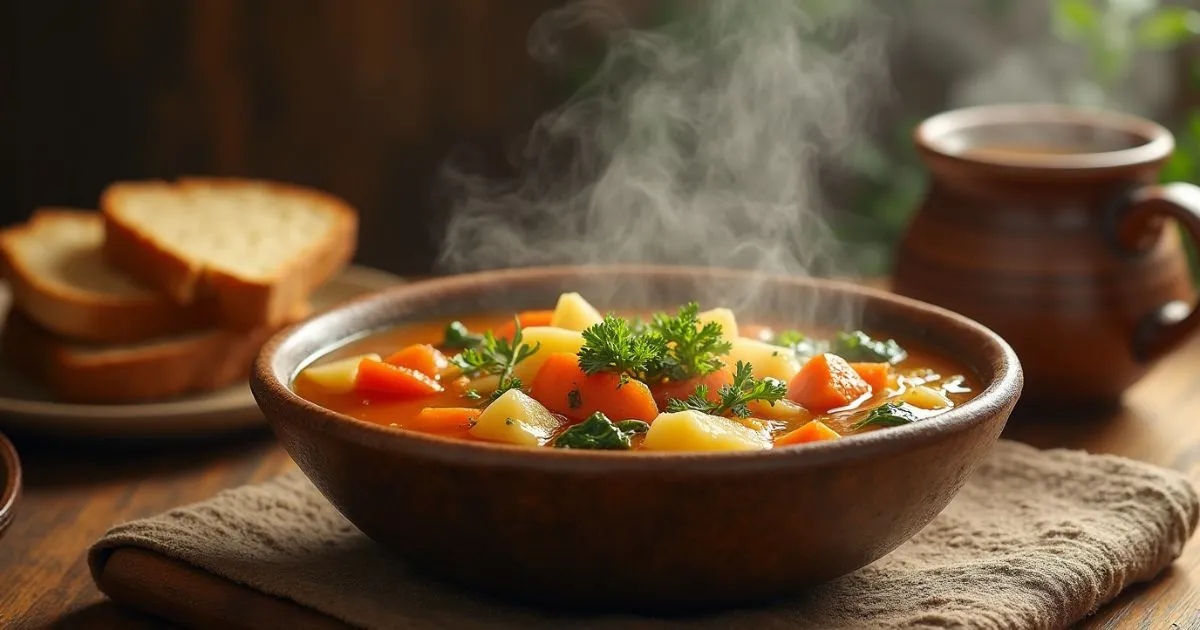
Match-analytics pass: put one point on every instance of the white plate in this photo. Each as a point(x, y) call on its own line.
point(27, 408)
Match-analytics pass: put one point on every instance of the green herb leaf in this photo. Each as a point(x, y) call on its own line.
point(858, 346)
point(458, 337)
point(789, 338)
point(496, 356)
point(598, 432)
point(633, 426)
point(505, 385)
point(692, 349)
point(733, 397)
point(1168, 27)
point(574, 399)
point(1076, 20)
point(886, 415)
point(803, 346)
point(698, 401)
point(612, 346)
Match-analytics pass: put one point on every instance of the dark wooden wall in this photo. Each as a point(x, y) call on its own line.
point(363, 98)
point(359, 97)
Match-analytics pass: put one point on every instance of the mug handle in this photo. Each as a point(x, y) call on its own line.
point(1168, 325)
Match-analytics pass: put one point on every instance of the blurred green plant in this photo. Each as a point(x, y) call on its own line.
point(1111, 33)
point(889, 182)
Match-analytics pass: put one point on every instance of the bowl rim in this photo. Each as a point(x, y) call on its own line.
point(267, 383)
point(10, 492)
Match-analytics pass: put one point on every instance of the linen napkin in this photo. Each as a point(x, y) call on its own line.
point(1036, 539)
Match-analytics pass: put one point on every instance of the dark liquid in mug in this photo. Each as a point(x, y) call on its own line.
point(1034, 140)
point(1021, 150)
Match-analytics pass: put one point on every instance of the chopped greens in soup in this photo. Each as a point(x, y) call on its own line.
point(690, 380)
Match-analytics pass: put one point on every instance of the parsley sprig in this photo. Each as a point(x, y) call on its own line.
point(613, 346)
point(733, 398)
point(669, 347)
point(692, 349)
point(495, 356)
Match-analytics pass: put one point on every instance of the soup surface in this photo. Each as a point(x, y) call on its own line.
point(683, 381)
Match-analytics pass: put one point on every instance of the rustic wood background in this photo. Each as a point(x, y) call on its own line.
point(359, 97)
point(363, 98)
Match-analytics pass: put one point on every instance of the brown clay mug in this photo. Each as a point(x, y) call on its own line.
point(1046, 223)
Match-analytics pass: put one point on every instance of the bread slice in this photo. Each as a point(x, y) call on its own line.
point(58, 276)
point(257, 247)
point(132, 373)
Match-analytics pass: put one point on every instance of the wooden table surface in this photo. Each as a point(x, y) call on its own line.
point(73, 493)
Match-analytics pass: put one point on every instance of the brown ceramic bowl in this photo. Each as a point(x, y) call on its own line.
point(10, 483)
point(639, 531)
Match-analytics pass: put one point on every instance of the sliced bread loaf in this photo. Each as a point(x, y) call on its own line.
point(132, 373)
point(58, 276)
point(257, 248)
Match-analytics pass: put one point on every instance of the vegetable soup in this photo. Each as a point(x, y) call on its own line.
point(688, 380)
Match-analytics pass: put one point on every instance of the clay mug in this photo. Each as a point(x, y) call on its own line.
point(1047, 224)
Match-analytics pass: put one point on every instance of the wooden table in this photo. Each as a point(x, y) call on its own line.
point(75, 492)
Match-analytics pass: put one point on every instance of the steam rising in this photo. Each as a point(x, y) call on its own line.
point(696, 142)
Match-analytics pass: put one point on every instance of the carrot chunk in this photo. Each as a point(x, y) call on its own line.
point(421, 357)
point(663, 392)
point(877, 375)
point(565, 389)
point(383, 378)
point(811, 431)
point(527, 319)
point(825, 382)
point(442, 419)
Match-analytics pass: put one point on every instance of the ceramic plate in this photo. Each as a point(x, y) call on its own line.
point(10, 483)
point(28, 408)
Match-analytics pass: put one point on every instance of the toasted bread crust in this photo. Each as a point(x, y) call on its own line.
point(188, 365)
point(243, 304)
point(86, 315)
point(135, 254)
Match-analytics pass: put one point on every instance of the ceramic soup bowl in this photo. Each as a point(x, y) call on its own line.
point(640, 530)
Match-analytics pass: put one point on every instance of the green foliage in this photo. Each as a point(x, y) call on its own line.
point(494, 356)
point(1168, 28)
point(890, 181)
point(693, 349)
point(613, 346)
point(458, 337)
point(1184, 166)
point(675, 348)
point(600, 433)
point(733, 397)
point(887, 415)
point(859, 346)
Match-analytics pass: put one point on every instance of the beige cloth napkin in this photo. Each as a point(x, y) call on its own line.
point(1036, 539)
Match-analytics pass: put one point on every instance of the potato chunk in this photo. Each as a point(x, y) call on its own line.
point(515, 418)
point(695, 431)
point(552, 340)
point(724, 317)
point(337, 377)
point(768, 360)
point(574, 313)
point(781, 410)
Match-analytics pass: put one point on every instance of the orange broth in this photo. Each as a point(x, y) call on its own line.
point(919, 367)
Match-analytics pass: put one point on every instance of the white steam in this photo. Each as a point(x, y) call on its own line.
point(696, 142)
